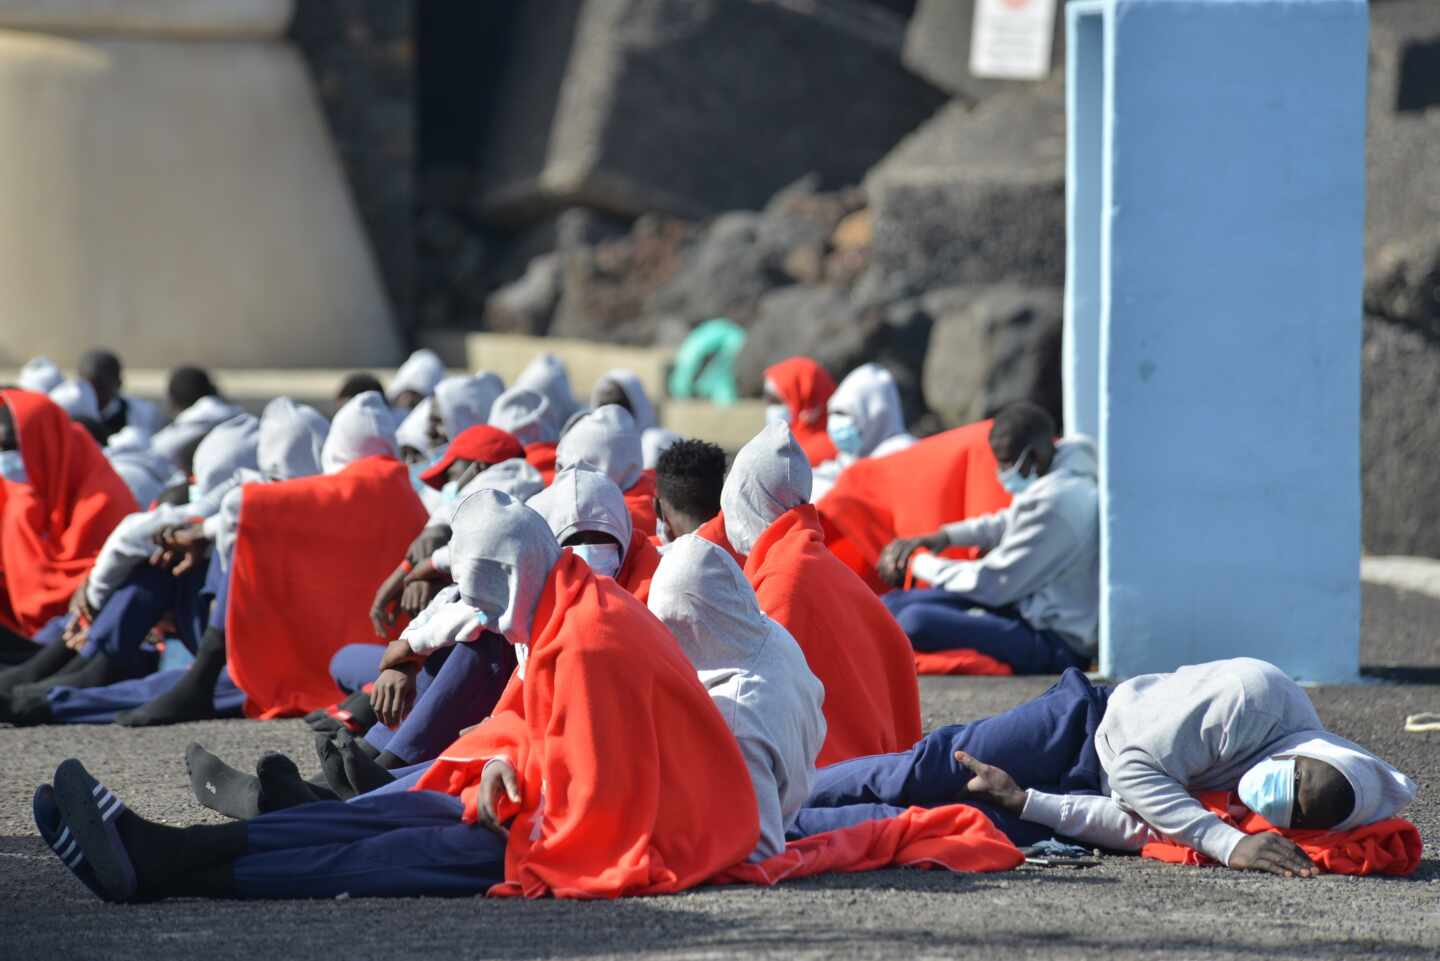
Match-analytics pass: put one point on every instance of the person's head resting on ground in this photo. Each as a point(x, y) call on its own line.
point(470, 454)
point(101, 369)
point(526, 415)
point(292, 437)
point(796, 392)
point(416, 379)
point(362, 428)
point(501, 556)
point(864, 412)
point(1324, 783)
point(461, 402)
point(186, 386)
point(623, 388)
point(771, 475)
point(607, 440)
point(688, 479)
point(1022, 438)
point(587, 513)
point(355, 384)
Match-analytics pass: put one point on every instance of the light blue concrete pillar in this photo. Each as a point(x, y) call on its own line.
point(1230, 273)
point(1084, 187)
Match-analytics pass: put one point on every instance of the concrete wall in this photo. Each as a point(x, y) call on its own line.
point(1231, 272)
point(172, 193)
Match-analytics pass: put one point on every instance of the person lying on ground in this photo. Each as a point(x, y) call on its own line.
point(1032, 600)
point(1116, 768)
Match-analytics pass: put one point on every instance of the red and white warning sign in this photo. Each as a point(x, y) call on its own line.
point(1011, 39)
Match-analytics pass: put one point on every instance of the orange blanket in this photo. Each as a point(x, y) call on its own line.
point(309, 554)
point(542, 458)
point(52, 529)
point(631, 782)
point(640, 498)
point(961, 660)
point(854, 646)
point(956, 837)
point(805, 387)
point(936, 481)
point(641, 560)
point(1391, 846)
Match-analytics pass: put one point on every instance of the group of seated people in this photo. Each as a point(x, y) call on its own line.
point(549, 648)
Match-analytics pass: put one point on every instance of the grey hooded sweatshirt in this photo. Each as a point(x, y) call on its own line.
point(1200, 728)
point(1042, 553)
point(755, 673)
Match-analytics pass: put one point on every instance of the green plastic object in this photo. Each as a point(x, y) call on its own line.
point(705, 363)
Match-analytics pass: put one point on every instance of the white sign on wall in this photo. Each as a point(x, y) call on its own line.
point(1010, 39)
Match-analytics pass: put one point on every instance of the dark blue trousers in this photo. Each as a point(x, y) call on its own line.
point(355, 665)
point(148, 594)
point(396, 844)
point(216, 590)
point(99, 705)
point(937, 620)
point(1047, 744)
point(462, 692)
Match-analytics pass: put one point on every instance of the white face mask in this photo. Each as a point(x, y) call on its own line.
point(661, 531)
point(12, 467)
point(192, 494)
point(602, 558)
point(778, 414)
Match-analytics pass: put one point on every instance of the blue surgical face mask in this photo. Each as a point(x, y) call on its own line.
point(844, 434)
point(1268, 789)
point(450, 491)
point(777, 414)
point(12, 467)
point(602, 558)
point(1012, 480)
point(192, 494)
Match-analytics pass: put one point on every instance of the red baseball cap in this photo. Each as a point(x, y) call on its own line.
point(489, 445)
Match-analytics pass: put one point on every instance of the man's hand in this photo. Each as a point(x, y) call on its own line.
point(427, 542)
point(382, 609)
point(498, 776)
point(1273, 853)
point(180, 548)
point(76, 633)
point(398, 652)
point(418, 595)
point(895, 558)
point(393, 694)
point(80, 608)
point(992, 784)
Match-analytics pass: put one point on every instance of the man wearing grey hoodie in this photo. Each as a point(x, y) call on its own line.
point(1032, 599)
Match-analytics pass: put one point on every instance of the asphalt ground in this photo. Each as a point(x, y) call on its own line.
point(1127, 908)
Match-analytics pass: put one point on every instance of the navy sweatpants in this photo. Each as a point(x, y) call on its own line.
point(396, 844)
point(1047, 744)
point(937, 620)
point(462, 692)
point(148, 594)
point(99, 705)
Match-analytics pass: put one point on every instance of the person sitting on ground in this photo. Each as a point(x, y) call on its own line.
point(117, 410)
point(864, 419)
point(1032, 601)
point(461, 402)
point(40, 374)
point(415, 379)
point(796, 393)
point(1116, 768)
point(523, 801)
point(197, 406)
point(854, 646)
point(356, 384)
point(755, 673)
point(77, 398)
point(59, 501)
point(146, 473)
point(622, 388)
point(688, 479)
point(527, 416)
point(548, 376)
point(607, 440)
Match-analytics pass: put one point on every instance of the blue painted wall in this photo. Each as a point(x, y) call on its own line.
point(1229, 368)
point(1084, 110)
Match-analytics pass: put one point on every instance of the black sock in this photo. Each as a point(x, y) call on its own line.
point(165, 857)
point(361, 770)
point(332, 765)
point(25, 709)
point(220, 787)
point(390, 762)
point(193, 696)
point(44, 662)
point(282, 787)
point(99, 670)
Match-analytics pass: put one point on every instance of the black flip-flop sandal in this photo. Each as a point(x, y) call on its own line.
point(90, 809)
